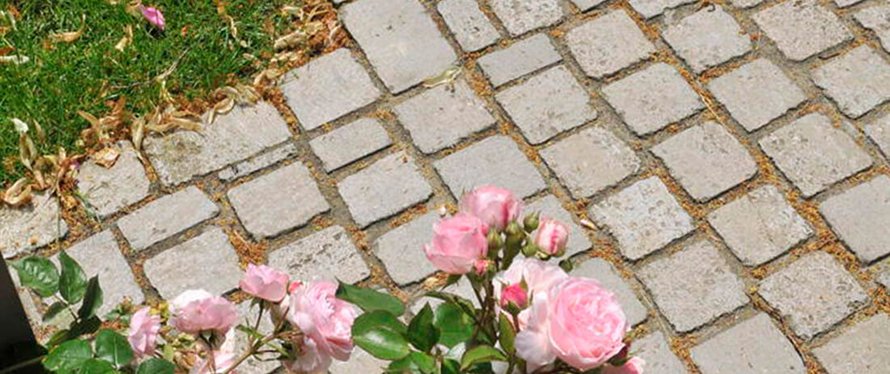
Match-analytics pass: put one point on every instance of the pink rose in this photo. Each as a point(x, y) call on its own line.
point(495, 206)
point(514, 295)
point(552, 237)
point(577, 321)
point(325, 321)
point(538, 276)
point(633, 366)
point(153, 16)
point(143, 334)
point(310, 361)
point(194, 311)
point(265, 283)
point(459, 244)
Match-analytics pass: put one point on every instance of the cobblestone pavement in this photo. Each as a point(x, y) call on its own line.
point(731, 154)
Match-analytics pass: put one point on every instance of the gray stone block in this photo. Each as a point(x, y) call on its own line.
point(495, 161)
point(745, 3)
point(522, 16)
point(591, 161)
point(802, 28)
point(652, 8)
point(883, 276)
point(401, 250)
point(858, 81)
point(384, 189)
point(655, 350)
point(173, 271)
point(846, 3)
point(606, 275)
point(862, 349)
point(166, 217)
point(876, 19)
point(109, 190)
point(521, 58)
point(549, 206)
point(860, 216)
point(753, 346)
point(584, 5)
point(756, 93)
point(608, 43)
point(243, 169)
point(325, 255)
point(470, 26)
point(359, 362)
point(350, 143)
point(879, 132)
point(707, 39)
point(34, 226)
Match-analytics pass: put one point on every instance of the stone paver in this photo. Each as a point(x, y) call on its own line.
point(745, 3)
point(254, 364)
point(753, 346)
point(760, 226)
point(876, 19)
point(707, 38)
point(813, 154)
point(693, 287)
point(652, 98)
point(522, 16)
point(110, 190)
point(443, 116)
point(470, 26)
point(173, 271)
point(359, 362)
point(606, 275)
point(328, 88)
point(813, 293)
point(857, 81)
point(327, 254)
point(608, 43)
point(879, 132)
point(166, 217)
point(272, 157)
point(802, 28)
point(278, 202)
point(349, 143)
point(400, 39)
point(590, 161)
point(860, 216)
point(100, 255)
point(883, 277)
point(549, 206)
point(655, 350)
point(520, 58)
point(239, 135)
point(384, 189)
point(756, 93)
point(584, 5)
point(846, 3)
point(547, 104)
point(401, 250)
point(496, 161)
point(31, 227)
point(652, 8)
point(862, 349)
point(707, 160)
point(643, 218)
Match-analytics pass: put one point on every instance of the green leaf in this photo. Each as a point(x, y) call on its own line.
point(381, 334)
point(370, 300)
point(507, 333)
point(92, 299)
point(94, 366)
point(84, 327)
point(156, 366)
point(57, 338)
point(250, 331)
point(450, 366)
point(69, 355)
point(465, 304)
point(38, 274)
point(481, 354)
point(54, 310)
point(415, 362)
point(113, 347)
point(421, 331)
point(455, 325)
point(73, 282)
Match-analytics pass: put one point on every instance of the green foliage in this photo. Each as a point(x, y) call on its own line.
point(421, 331)
point(382, 335)
point(370, 300)
point(68, 356)
point(456, 326)
point(155, 366)
point(506, 333)
point(38, 274)
point(92, 299)
point(481, 354)
point(72, 282)
point(113, 348)
point(415, 362)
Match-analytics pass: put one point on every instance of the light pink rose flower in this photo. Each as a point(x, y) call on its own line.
point(153, 16)
point(143, 333)
point(325, 320)
point(514, 295)
point(194, 311)
point(578, 321)
point(633, 366)
point(552, 236)
point(265, 283)
point(494, 206)
point(222, 361)
point(459, 244)
point(538, 275)
point(310, 361)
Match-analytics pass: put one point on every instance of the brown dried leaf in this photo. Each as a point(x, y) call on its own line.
point(107, 157)
point(14, 59)
point(137, 133)
point(70, 36)
point(445, 77)
point(126, 40)
point(18, 194)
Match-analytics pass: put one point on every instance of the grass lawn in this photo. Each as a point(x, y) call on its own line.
point(198, 49)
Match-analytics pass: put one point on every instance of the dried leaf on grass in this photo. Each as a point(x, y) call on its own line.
point(107, 157)
point(14, 59)
point(237, 94)
point(126, 40)
point(70, 36)
point(18, 194)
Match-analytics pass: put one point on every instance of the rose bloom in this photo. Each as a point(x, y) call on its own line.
point(223, 358)
point(153, 16)
point(578, 321)
point(265, 283)
point(143, 333)
point(310, 360)
point(538, 275)
point(195, 311)
point(552, 236)
point(514, 295)
point(459, 244)
point(495, 206)
point(633, 366)
point(326, 323)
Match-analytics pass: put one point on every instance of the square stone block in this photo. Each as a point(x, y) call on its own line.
point(858, 81)
point(325, 255)
point(522, 16)
point(27, 228)
point(590, 161)
point(753, 346)
point(496, 161)
point(707, 39)
point(860, 216)
point(384, 189)
point(879, 132)
point(520, 58)
point(100, 255)
point(652, 8)
point(862, 349)
point(174, 270)
point(604, 273)
point(608, 43)
point(350, 143)
point(260, 162)
point(745, 3)
point(584, 5)
point(656, 351)
point(549, 206)
point(876, 19)
point(401, 250)
point(802, 28)
point(756, 93)
point(167, 216)
point(109, 190)
point(470, 26)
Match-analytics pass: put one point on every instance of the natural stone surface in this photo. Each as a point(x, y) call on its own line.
point(384, 189)
point(802, 28)
point(520, 58)
point(166, 217)
point(249, 314)
point(884, 276)
point(100, 255)
point(608, 43)
point(707, 160)
point(813, 293)
point(745, 3)
point(401, 250)
point(756, 93)
point(441, 117)
point(694, 286)
point(470, 26)
point(759, 226)
point(109, 190)
point(590, 161)
point(643, 218)
point(327, 88)
point(652, 8)
point(327, 254)
point(860, 216)
point(655, 350)
point(879, 132)
point(173, 271)
point(862, 349)
point(857, 81)
point(359, 362)
point(243, 169)
point(522, 16)
point(549, 206)
point(400, 40)
point(652, 98)
point(278, 202)
point(876, 19)
point(813, 154)
point(238, 135)
point(846, 3)
point(496, 160)
point(587, 4)
point(547, 104)
point(349, 143)
point(707, 38)
point(31, 227)
point(606, 275)
point(750, 347)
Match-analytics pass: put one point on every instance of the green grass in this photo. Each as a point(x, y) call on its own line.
point(61, 78)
